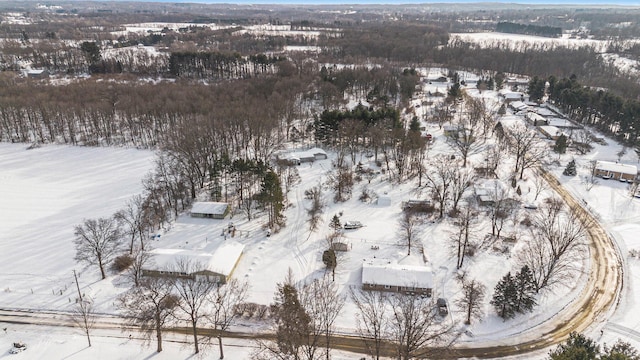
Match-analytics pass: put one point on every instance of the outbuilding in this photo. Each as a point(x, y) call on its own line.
point(209, 209)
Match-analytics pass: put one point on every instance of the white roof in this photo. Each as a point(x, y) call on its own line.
point(209, 207)
point(533, 116)
point(550, 130)
point(385, 272)
point(221, 261)
point(519, 105)
point(617, 167)
point(311, 153)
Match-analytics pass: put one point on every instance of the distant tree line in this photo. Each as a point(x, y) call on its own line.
point(529, 29)
point(217, 65)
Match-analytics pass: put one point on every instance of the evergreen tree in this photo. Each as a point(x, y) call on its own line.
point(272, 197)
point(526, 290)
point(335, 223)
point(504, 297)
point(536, 89)
point(414, 125)
point(561, 144)
point(570, 170)
point(292, 322)
point(577, 346)
point(330, 261)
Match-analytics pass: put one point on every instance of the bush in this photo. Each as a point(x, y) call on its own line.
point(122, 262)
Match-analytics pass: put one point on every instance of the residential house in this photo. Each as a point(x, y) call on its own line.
point(385, 275)
point(614, 170)
point(196, 265)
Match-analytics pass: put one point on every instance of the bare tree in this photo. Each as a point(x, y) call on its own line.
point(322, 301)
point(83, 315)
point(97, 242)
point(133, 217)
point(140, 259)
point(439, 181)
point(591, 179)
point(316, 209)
point(371, 319)
point(465, 143)
point(413, 325)
point(463, 235)
point(461, 180)
point(539, 185)
point(149, 307)
point(525, 146)
point(194, 296)
point(408, 229)
point(556, 244)
point(501, 209)
point(471, 301)
point(224, 299)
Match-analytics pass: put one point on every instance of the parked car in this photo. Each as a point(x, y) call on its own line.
point(349, 225)
point(18, 347)
point(530, 206)
point(442, 307)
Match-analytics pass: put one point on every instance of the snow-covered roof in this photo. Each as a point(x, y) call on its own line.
point(221, 261)
point(519, 105)
point(385, 272)
point(305, 154)
point(617, 167)
point(209, 207)
point(550, 130)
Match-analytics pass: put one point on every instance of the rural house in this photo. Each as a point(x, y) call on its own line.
point(298, 157)
point(383, 275)
point(607, 169)
point(209, 209)
point(214, 267)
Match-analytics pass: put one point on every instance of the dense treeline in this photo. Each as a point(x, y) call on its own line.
point(216, 65)
point(609, 113)
point(541, 60)
point(529, 29)
point(405, 43)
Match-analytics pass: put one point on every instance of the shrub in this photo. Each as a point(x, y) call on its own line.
point(122, 262)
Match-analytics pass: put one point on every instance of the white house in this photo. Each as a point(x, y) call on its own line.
point(298, 157)
point(386, 275)
point(197, 265)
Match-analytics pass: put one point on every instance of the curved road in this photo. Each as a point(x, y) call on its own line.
point(595, 302)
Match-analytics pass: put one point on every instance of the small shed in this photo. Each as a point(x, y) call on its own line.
point(550, 132)
point(210, 209)
point(384, 200)
point(535, 119)
point(386, 275)
point(37, 74)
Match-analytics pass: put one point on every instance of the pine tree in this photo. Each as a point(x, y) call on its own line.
point(504, 297)
point(272, 197)
point(561, 144)
point(292, 322)
point(330, 261)
point(526, 290)
point(570, 170)
point(335, 223)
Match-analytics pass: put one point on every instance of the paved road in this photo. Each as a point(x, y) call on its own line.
point(594, 304)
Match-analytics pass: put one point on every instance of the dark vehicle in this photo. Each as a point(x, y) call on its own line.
point(442, 307)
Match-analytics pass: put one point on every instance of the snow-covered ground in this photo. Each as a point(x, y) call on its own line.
point(45, 192)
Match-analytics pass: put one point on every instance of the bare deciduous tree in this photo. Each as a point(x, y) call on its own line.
point(133, 217)
point(556, 244)
point(371, 319)
point(413, 326)
point(439, 181)
point(224, 299)
point(194, 295)
point(97, 242)
point(461, 180)
point(408, 229)
point(463, 234)
point(471, 301)
point(316, 209)
point(322, 301)
point(149, 307)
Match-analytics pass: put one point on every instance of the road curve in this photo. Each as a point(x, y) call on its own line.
point(595, 303)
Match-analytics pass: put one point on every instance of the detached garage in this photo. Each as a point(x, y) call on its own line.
point(209, 209)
